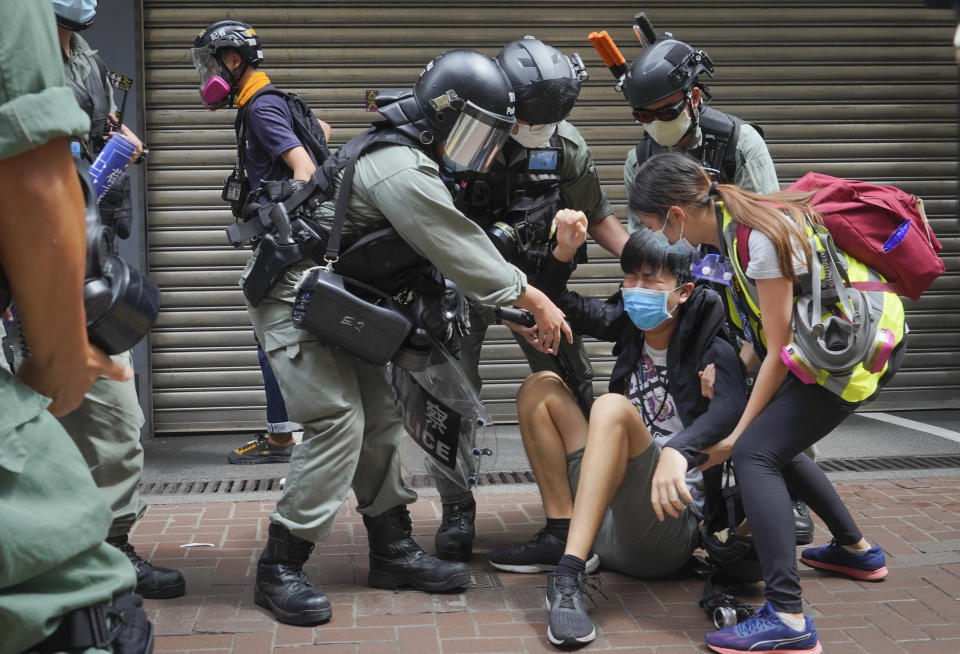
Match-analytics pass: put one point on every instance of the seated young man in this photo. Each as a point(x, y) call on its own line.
point(639, 497)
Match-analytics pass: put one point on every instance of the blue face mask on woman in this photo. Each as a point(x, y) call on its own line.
point(681, 247)
point(646, 307)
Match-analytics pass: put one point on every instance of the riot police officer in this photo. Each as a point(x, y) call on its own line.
point(352, 426)
point(106, 426)
point(664, 90)
point(61, 587)
point(545, 166)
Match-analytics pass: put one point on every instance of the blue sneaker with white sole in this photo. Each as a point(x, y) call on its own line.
point(765, 633)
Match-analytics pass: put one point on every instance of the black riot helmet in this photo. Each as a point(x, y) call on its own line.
point(662, 69)
point(217, 83)
point(546, 81)
point(466, 100)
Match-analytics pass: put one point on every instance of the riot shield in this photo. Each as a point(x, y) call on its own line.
point(444, 416)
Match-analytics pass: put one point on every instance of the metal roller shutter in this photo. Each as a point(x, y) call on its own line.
point(851, 88)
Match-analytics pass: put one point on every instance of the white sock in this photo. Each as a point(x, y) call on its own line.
point(797, 624)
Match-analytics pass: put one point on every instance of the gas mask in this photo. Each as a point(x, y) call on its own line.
point(216, 82)
point(534, 136)
point(669, 132)
point(121, 304)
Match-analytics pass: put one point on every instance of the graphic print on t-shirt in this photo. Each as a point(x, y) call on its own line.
point(648, 392)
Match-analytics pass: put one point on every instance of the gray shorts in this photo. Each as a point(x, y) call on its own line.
point(631, 540)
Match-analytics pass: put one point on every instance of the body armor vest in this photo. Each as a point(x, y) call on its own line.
point(521, 191)
point(92, 96)
point(718, 149)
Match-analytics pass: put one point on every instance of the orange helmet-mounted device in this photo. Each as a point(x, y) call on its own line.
point(610, 54)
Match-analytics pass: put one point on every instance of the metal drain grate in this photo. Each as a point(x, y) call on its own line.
point(208, 487)
point(883, 463)
point(483, 579)
point(485, 479)
point(229, 486)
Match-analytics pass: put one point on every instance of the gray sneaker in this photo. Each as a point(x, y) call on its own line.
point(569, 625)
point(540, 554)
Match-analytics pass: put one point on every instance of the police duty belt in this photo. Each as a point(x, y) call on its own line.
point(262, 218)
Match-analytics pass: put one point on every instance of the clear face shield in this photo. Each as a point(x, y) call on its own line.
point(214, 89)
point(475, 139)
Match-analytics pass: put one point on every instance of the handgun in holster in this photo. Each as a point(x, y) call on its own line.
point(288, 244)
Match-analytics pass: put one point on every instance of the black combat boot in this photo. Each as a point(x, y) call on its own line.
point(802, 522)
point(153, 582)
point(397, 560)
point(454, 539)
point(282, 587)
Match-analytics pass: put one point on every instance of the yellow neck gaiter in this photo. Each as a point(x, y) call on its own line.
point(254, 83)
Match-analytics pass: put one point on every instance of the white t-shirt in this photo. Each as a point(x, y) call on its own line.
point(763, 257)
point(649, 393)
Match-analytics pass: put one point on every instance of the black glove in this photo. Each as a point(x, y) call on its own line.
point(116, 211)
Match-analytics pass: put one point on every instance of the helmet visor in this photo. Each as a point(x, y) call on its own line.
point(205, 63)
point(475, 139)
point(214, 89)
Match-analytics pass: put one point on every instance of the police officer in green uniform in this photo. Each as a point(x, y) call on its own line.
point(352, 425)
point(546, 166)
point(59, 580)
point(106, 425)
point(663, 88)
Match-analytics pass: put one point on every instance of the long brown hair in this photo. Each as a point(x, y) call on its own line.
point(671, 179)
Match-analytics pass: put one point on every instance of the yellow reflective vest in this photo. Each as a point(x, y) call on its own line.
point(743, 308)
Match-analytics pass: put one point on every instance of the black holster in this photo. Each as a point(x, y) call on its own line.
point(86, 627)
point(271, 262)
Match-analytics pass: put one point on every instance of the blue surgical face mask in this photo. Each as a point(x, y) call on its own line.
point(646, 307)
point(681, 247)
point(78, 13)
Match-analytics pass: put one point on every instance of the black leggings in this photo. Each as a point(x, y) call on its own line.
point(769, 460)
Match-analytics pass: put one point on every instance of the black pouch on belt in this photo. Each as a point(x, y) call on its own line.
point(272, 261)
point(351, 315)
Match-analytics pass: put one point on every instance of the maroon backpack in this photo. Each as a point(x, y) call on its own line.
point(883, 227)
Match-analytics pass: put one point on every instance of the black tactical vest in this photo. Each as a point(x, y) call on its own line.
point(718, 149)
point(94, 99)
point(522, 190)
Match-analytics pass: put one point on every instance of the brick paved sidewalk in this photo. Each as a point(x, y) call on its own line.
point(915, 610)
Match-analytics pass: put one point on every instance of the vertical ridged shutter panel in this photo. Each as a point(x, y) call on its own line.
point(854, 89)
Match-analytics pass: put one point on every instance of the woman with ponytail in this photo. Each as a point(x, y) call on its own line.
point(673, 196)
